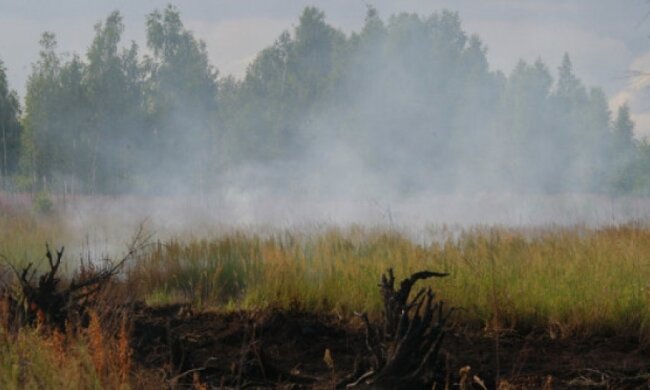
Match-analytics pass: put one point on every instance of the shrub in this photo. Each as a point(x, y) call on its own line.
point(43, 203)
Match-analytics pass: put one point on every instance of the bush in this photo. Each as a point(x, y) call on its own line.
point(43, 203)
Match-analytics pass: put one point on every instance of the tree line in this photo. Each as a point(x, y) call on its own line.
point(409, 101)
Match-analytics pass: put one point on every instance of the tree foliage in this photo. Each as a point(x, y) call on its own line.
point(409, 101)
point(10, 128)
point(182, 102)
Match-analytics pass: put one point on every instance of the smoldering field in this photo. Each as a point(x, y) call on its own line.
point(336, 158)
point(417, 214)
point(107, 221)
point(240, 210)
point(398, 136)
point(582, 291)
point(575, 263)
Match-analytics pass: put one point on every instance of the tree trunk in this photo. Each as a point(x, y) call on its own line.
point(4, 154)
point(94, 166)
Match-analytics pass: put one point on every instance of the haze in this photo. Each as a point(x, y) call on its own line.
point(526, 126)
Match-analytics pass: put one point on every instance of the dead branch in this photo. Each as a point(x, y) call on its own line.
point(45, 301)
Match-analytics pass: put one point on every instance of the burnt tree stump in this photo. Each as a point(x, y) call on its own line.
point(404, 348)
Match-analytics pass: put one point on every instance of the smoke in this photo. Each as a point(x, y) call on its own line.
point(402, 124)
point(420, 115)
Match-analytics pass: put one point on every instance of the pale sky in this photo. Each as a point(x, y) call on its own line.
point(605, 38)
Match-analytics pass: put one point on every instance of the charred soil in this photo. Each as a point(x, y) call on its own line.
point(297, 349)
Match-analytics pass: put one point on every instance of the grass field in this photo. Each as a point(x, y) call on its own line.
point(573, 280)
point(567, 282)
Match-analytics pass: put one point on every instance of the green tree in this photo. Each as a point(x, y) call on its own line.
point(411, 100)
point(83, 121)
point(41, 109)
point(572, 145)
point(623, 128)
point(10, 128)
point(568, 85)
point(525, 117)
point(183, 98)
point(113, 84)
point(290, 82)
point(595, 140)
point(629, 159)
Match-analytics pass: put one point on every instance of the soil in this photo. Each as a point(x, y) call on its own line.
point(286, 349)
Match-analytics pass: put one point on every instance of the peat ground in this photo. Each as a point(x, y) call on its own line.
point(286, 349)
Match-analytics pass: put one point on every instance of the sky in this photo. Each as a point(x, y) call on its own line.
point(608, 40)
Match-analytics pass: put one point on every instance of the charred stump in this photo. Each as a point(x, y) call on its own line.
point(45, 300)
point(404, 348)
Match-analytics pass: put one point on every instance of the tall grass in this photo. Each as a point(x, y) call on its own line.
point(23, 236)
point(32, 359)
point(572, 281)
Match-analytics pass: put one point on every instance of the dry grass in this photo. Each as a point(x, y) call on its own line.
point(93, 355)
point(32, 359)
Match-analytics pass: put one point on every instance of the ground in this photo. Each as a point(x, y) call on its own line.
point(286, 349)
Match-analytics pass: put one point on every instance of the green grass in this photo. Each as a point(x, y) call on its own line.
point(576, 281)
point(23, 236)
point(573, 281)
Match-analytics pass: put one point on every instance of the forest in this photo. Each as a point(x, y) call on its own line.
point(408, 104)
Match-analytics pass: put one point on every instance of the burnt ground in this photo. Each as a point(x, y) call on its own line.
point(285, 349)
